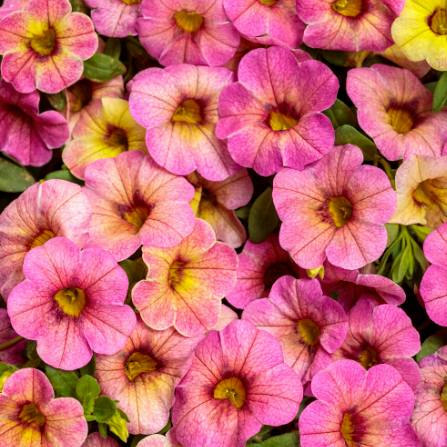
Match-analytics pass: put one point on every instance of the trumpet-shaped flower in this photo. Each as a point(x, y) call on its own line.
point(358, 407)
point(215, 203)
point(96, 440)
point(395, 110)
point(66, 303)
point(136, 202)
point(335, 208)
point(185, 283)
point(44, 44)
point(30, 416)
point(105, 129)
point(12, 355)
point(45, 210)
point(187, 31)
point(178, 106)
point(270, 116)
point(308, 325)
point(144, 375)
point(237, 382)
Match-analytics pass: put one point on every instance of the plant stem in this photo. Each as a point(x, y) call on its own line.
point(10, 343)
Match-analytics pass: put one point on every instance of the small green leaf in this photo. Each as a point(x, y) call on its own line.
point(88, 403)
point(6, 367)
point(89, 417)
point(103, 429)
point(440, 95)
point(31, 353)
point(104, 409)
point(63, 382)
point(395, 245)
point(421, 232)
point(431, 345)
point(401, 264)
point(124, 415)
point(347, 134)
point(419, 256)
point(431, 86)
point(14, 177)
point(243, 212)
point(335, 57)
point(263, 218)
point(392, 232)
point(340, 114)
point(79, 6)
point(102, 68)
point(63, 174)
point(118, 425)
point(57, 100)
point(287, 440)
point(87, 384)
point(113, 47)
point(90, 368)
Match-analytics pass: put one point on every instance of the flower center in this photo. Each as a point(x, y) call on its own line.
point(137, 212)
point(279, 121)
point(438, 22)
point(117, 138)
point(131, 2)
point(432, 193)
point(81, 95)
point(347, 430)
point(348, 8)
point(267, 2)
point(444, 397)
point(369, 358)
point(341, 210)
point(31, 415)
point(309, 331)
point(44, 44)
point(401, 120)
point(46, 235)
point(179, 280)
point(231, 389)
point(187, 112)
point(276, 271)
point(139, 363)
point(190, 22)
point(71, 301)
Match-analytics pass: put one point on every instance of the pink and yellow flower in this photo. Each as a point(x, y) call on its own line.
point(26, 135)
point(349, 25)
point(105, 129)
point(335, 208)
point(178, 107)
point(30, 416)
point(45, 210)
point(260, 265)
point(237, 382)
point(308, 325)
point(358, 407)
point(395, 110)
point(215, 203)
point(12, 355)
point(270, 116)
point(44, 44)
point(96, 440)
point(136, 202)
point(187, 31)
point(144, 375)
point(66, 305)
point(185, 283)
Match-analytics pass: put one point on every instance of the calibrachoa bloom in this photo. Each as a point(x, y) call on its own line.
point(438, 358)
point(45, 210)
point(136, 202)
point(12, 355)
point(421, 32)
point(10, 6)
point(105, 129)
point(269, 22)
point(335, 208)
point(115, 18)
point(96, 440)
point(30, 416)
point(154, 441)
point(185, 283)
point(66, 305)
point(187, 31)
point(215, 202)
point(178, 106)
point(395, 110)
point(421, 184)
point(309, 325)
point(226, 316)
point(358, 407)
point(25, 134)
point(270, 115)
point(237, 382)
point(144, 375)
point(44, 44)
point(349, 25)
point(382, 334)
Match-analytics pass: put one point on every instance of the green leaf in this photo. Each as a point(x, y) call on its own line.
point(63, 382)
point(340, 114)
point(90, 368)
point(335, 57)
point(14, 177)
point(431, 86)
point(86, 385)
point(63, 174)
point(79, 6)
point(421, 232)
point(243, 212)
point(263, 218)
point(31, 353)
point(102, 68)
point(431, 345)
point(124, 415)
point(104, 409)
point(7, 367)
point(57, 100)
point(167, 427)
point(440, 95)
point(401, 264)
point(136, 439)
point(287, 440)
point(88, 403)
point(113, 47)
point(347, 134)
point(419, 256)
point(376, 59)
point(103, 429)
point(392, 232)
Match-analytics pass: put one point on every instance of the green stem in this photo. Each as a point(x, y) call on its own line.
point(387, 168)
point(10, 343)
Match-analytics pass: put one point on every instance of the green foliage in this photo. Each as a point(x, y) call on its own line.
point(57, 100)
point(440, 95)
point(87, 385)
point(287, 440)
point(113, 47)
point(14, 177)
point(104, 408)
point(63, 382)
point(64, 174)
point(347, 134)
point(431, 345)
point(90, 368)
point(102, 68)
point(340, 114)
point(334, 57)
point(263, 218)
point(79, 6)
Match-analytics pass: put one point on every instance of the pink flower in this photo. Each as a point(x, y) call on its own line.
point(10, 6)
point(44, 45)
point(308, 325)
point(269, 22)
point(395, 110)
point(154, 441)
point(178, 106)
point(260, 265)
point(96, 440)
point(335, 208)
point(226, 316)
point(349, 25)
point(25, 134)
point(66, 303)
point(187, 31)
point(185, 283)
point(438, 358)
point(45, 210)
point(136, 202)
point(144, 375)
point(115, 18)
point(270, 116)
point(30, 415)
point(358, 407)
point(214, 202)
point(13, 355)
point(237, 382)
